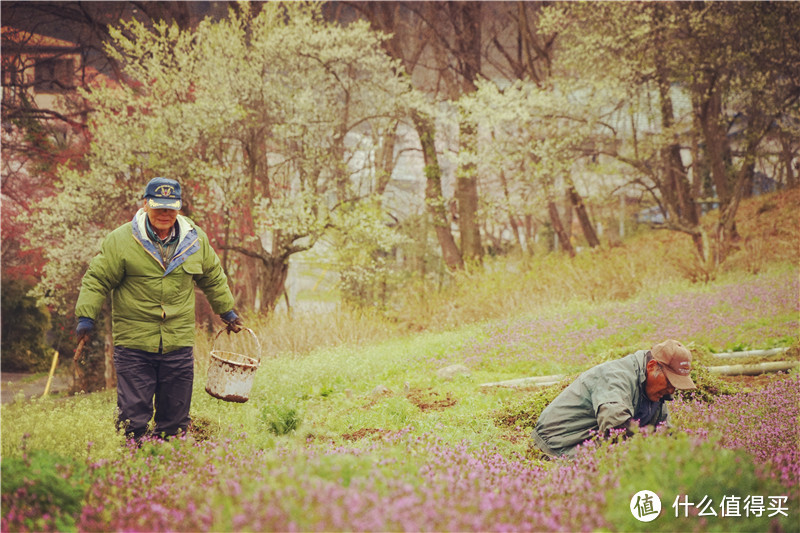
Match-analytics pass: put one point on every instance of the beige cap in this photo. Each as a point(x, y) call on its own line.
point(676, 360)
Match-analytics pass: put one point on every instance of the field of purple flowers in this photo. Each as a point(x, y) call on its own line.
point(723, 317)
point(742, 446)
point(729, 465)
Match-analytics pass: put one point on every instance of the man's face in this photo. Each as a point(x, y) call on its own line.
point(657, 385)
point(161, 219)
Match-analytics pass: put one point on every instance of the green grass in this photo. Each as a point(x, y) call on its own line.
point(355, 380)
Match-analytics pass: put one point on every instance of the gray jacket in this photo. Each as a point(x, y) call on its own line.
point(602, 398)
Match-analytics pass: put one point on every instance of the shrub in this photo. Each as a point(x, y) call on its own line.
point(42, 491)
point(280, 419)
point(683, 468)
point(24, 326)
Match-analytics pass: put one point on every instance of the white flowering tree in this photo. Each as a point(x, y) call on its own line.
point(533, 143)
point(263, 117)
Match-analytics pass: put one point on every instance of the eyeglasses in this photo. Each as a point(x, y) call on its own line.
point(666, 377)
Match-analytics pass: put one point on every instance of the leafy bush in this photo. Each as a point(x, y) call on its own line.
point(709, 386)
point(24, 328)
point(680, 467)
point(525, 413)
point(280, 419)
point(42, 491)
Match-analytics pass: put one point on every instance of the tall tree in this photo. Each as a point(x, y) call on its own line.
point(258, 115)
point(465, 18)
point(410, 41)
point(50, 49)
point(447, 47)
point(740, 83)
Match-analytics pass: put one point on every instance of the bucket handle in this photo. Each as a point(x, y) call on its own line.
point(258, 344)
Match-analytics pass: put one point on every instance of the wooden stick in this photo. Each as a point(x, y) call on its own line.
point(52, 371)
point(79, 350)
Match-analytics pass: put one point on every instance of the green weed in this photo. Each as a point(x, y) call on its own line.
point(43, 491)
point(679, 469)
point(280, 419)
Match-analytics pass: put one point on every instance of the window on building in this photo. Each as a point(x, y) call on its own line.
point(11, 82)
point(53, 75)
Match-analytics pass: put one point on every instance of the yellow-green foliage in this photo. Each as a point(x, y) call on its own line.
point(649, 262)
point(73, 427)
point(354, 395)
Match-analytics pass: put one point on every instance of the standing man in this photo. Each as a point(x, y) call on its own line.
point(614, 395)
point(150, 266)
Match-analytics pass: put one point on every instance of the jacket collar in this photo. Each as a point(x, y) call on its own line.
point(140, 218)
point(188, 241)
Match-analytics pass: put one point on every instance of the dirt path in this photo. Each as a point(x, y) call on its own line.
point(13, 383)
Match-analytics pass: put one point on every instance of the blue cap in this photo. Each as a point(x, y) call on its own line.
point(163, 193)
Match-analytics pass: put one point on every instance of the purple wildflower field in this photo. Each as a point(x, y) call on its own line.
point(422, 480)
point(455, 488)
point(735, 314)
point(407, 482)
point(774, 410)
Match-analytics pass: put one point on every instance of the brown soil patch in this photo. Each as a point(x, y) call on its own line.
point(200, 428)
point(755, 382)
point(430, 400)
point(424, 399)
point(364, 433)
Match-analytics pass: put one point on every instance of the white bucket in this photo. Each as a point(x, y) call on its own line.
point(230, 375)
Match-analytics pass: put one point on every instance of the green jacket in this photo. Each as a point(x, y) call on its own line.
point(602, 398)
point(153, 303)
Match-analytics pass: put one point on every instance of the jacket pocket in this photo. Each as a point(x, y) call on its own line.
point(193, 268)
point(188, 273)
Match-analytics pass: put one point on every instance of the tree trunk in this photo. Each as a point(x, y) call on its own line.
point(676, 190)
point(787, 156)
point(272, 282)
point(698, 168)
point(466, 194)
point(559, 228)
point(269, 270)
point(512, 218)
point(385, 161)
point(466, 19)
point(434, 199)
point(716, 142)
point(583, 217)
point(567, 222)
point(530, 231)
point(757, 127)
point(248, 274)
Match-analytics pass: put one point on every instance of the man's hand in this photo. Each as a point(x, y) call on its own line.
point(84, 329)
point(232, 321)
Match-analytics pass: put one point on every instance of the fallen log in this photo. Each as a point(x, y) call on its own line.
point(750, 353)
point(753, 370)
point(723, 370)
point(536, 381)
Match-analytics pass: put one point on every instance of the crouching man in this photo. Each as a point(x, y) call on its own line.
point(614, 395)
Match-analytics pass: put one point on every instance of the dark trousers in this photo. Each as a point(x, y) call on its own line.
point(150, 382)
